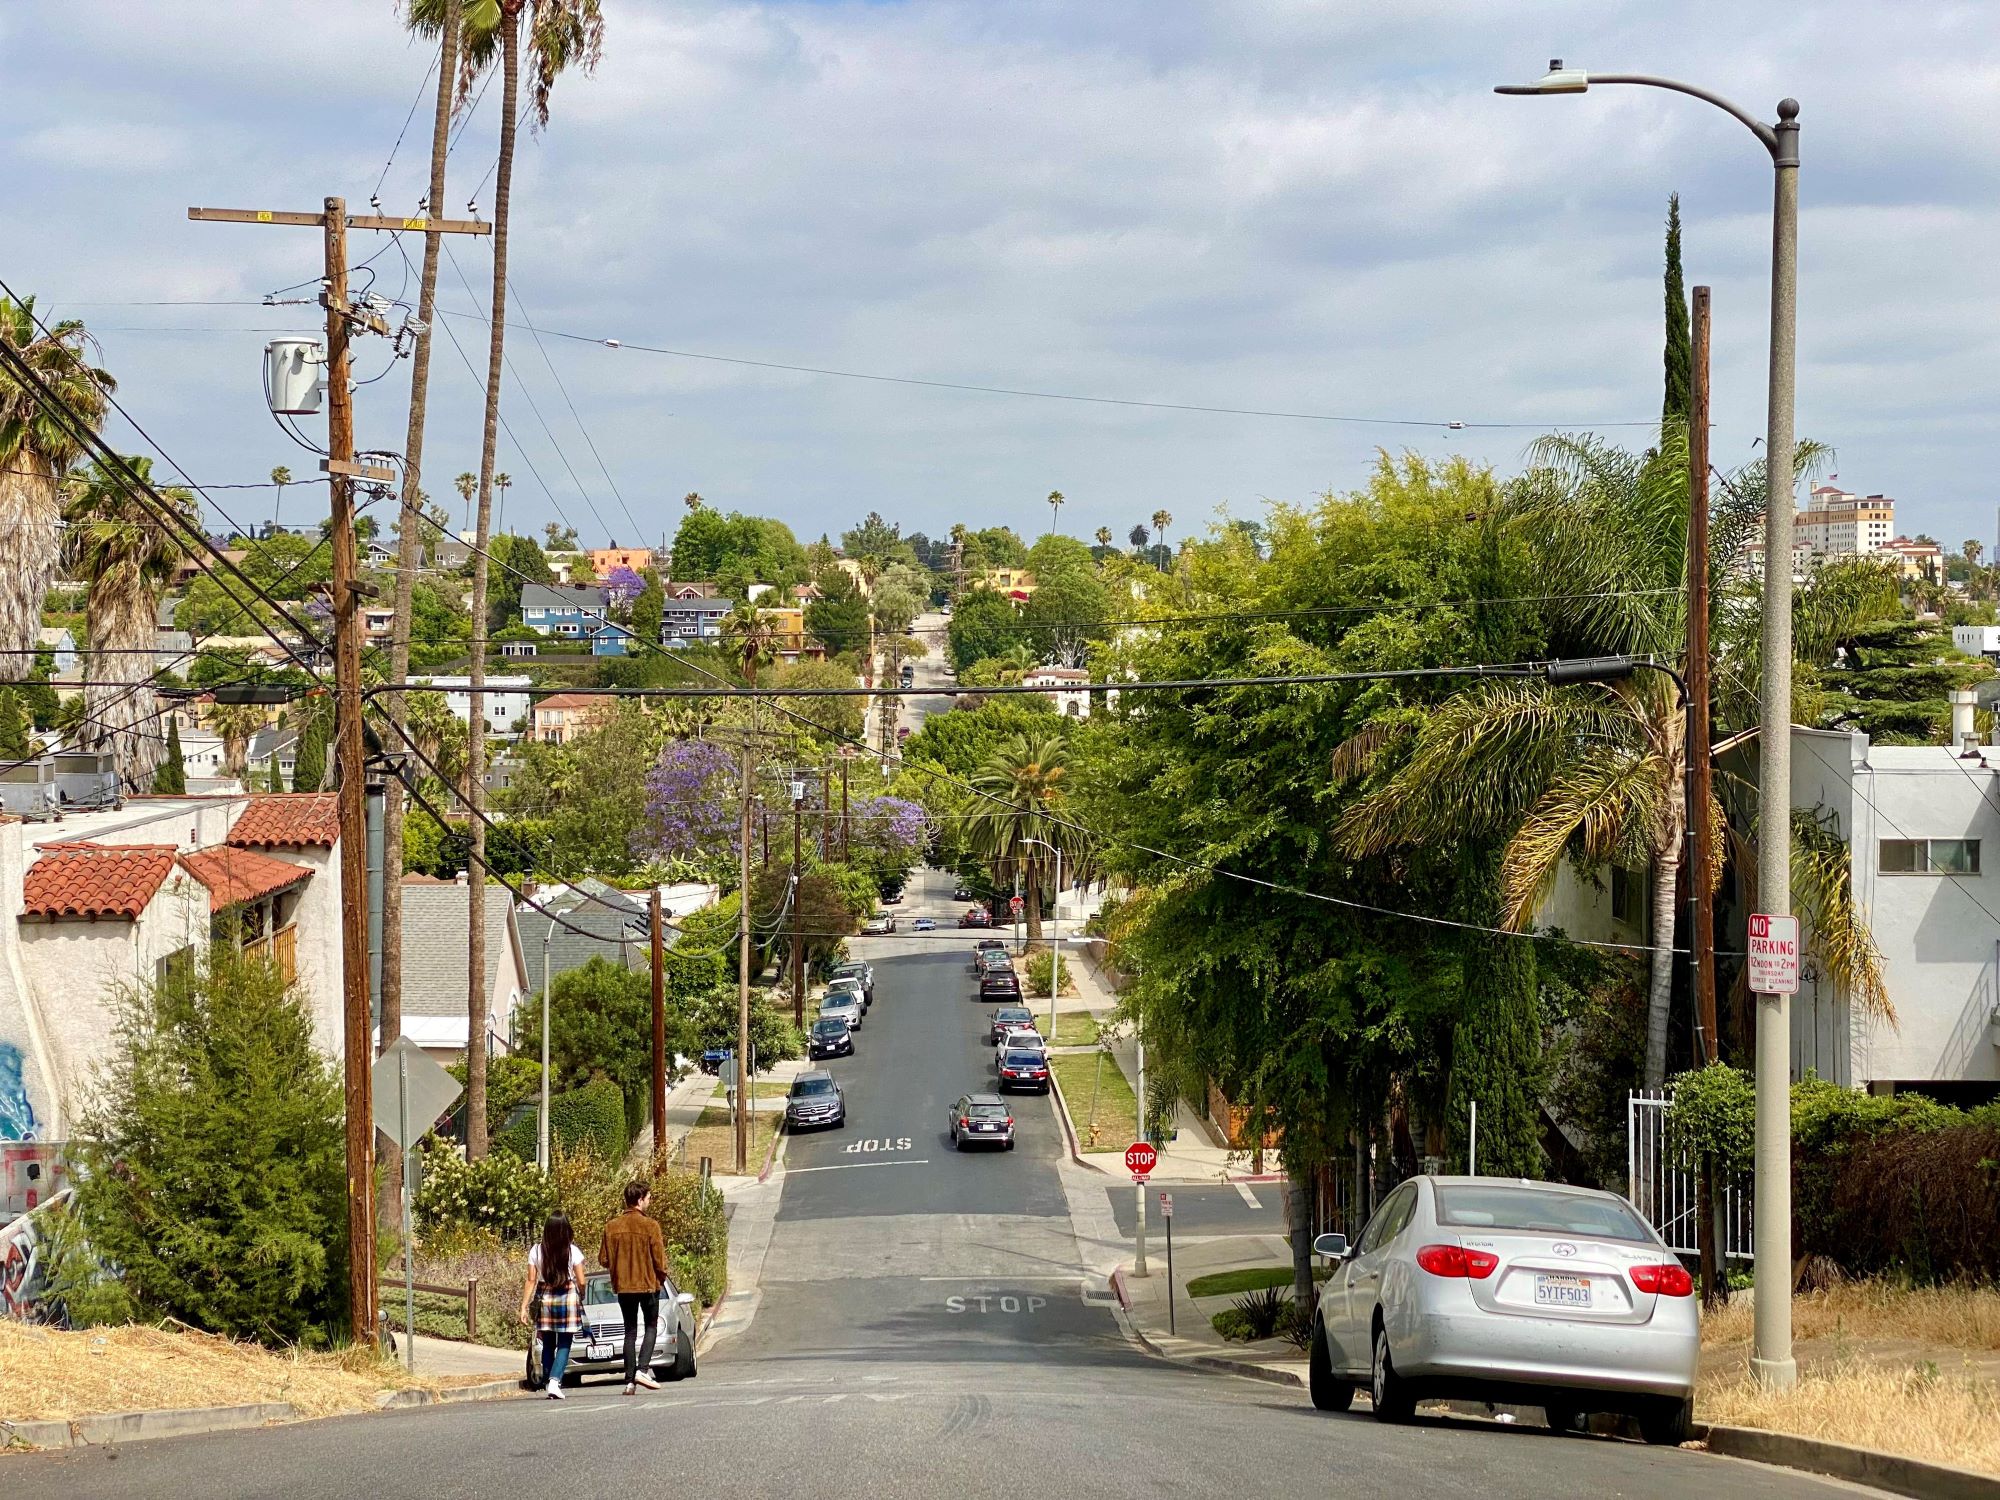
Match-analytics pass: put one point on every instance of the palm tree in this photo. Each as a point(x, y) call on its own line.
point(236, 723)
point(467, 485)
point(1161, 521)
point(503, 482)
point(126, 556)
point(1104, 536)
point(1138, 536)
point(692, 500)
point(280, 476)
point(1025, 787)
point(35, 451)
point(1971, 550)
point(751, 635)
point(1055, 508)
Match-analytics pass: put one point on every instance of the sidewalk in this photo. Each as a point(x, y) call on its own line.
point(1194, 1341)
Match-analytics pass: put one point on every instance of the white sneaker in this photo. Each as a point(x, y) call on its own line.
point(645, 1378)
point(631, 1390)
point(556, 1391)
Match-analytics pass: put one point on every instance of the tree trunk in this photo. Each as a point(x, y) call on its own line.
point(30, 543)
point(1660, 988)
point(409, 556)
point(475, 777)
point(1298, 1208)
point(121, 711)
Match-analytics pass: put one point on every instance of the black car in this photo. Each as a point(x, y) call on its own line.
point(961, 892)
point(1000, 984)
point(815, 1099)
point(829, 1037)
point(1024, 1070)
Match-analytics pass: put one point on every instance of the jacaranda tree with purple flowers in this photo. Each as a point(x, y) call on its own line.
point(621, 586)
point(692, 801)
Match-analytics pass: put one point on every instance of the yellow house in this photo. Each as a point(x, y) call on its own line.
point(1012, 583)
point(789, 641)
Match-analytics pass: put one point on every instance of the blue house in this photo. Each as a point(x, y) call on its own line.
point(691, 619)
point(577, 613)
point(612, 639)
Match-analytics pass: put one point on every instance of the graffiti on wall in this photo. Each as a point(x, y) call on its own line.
point(17, 1113)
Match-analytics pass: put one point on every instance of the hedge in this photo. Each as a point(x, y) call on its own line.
point(593, 1115)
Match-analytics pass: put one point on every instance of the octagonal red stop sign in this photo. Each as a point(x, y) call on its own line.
point(1140, 1159)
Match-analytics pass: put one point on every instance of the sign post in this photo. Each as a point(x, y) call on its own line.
point(1774, 954)
point(409, 1093)
point(1140, 1159)
point(1167, 1213)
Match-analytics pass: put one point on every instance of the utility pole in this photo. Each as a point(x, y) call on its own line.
point(659, 947)
point(743, 959)
point(1699, 771)
point(349, 749)
point(798, 912)
point(846, 828)
point(825, 809)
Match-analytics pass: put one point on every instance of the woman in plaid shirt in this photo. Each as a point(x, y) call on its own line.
point(554, 1289)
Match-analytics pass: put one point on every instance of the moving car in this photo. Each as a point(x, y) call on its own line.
point(599, 1348)
point(849, 984)
point(878, 925)
point(908, 676)
point(976, 917)
point(815, 1099)
point(1024, 1068)
point(842, 1005)
point(829, 1036)
point(924, 924)
point(1495, 1290)
point(980, 1118)
point(1006, 1018)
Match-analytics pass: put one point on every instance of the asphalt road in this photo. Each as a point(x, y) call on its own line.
point(1208, 1211)
point(923, 1330)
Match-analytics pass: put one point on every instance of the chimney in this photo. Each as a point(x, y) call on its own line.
point(1964, 702)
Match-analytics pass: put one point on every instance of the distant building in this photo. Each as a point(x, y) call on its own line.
point(604, 559)
point(517, 648)
point(378, 622)
point(437, 943)
point(1838, 524)
point(688, 619)
point(1915, 559)
point(550, 610)
point(1065, 688)
point(789, 641)
point(62, 645)
point(561, 717)
point(1014, 584)
point(1977, 640)
point(506, 698)
point(450, 553)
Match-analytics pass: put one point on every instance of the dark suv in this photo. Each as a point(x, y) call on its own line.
point(829, 1037)
point(815, 1100)
point(1000, 984)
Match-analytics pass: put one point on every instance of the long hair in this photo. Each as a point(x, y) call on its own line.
point(557, 1238)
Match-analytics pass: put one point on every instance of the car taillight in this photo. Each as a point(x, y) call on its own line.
point(1457, 1261)
point(1669, 1280)
point(1010, 1122)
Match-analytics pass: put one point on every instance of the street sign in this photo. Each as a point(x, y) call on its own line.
point(1774, 954)
point(1140, 1159)
point(1166, 1205)
point(411, 1091)
point(1014, 904)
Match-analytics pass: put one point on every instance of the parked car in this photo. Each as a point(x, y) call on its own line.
point(1000, 984)
point(878, 925)
point(1023, 1068)
point(599, 1348)
point(993, 963)
point(988, 945)
point(829, 1036)
point(894, 898)
point(855, 969)
point(981, 1118)
point(1021, 1035)
point(924, 924)
point(1006, 1018)
point(1531, 1293)
point(842, 1005)
point(815, 1099)
point(976, 917)
point(850, 984)
point(961, 892)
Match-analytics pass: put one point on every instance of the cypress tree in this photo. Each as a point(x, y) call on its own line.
point(1680, 351)
point(1496, 1056)
point(171, 778)
point(13, 732)
point(276, 772)
point(309, 770)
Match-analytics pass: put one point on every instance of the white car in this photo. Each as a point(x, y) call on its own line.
point(848, 984)
point(1020, 1036)
point(842, 1005)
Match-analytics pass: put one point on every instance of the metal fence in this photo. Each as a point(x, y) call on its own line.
point(1663, 1188)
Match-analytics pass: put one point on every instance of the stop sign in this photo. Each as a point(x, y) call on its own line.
point(1140, 1159)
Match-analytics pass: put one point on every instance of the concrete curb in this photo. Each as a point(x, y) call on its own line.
point(1069, 1127)
point(142, 1426)
point(488, 1390)
point(773, 1154)
point(1221, 1364)
point(1121, 1291)
point(1881, 1471)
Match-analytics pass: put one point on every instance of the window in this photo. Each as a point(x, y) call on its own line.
point(1536, 1210)
point(1389, 1220)
point(1628, 896)
point(1927, 857)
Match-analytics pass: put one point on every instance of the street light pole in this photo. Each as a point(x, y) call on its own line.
point(542, 1123)
point(1771, 1353)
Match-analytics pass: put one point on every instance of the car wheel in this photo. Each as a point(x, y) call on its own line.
point(1010, 1143)
point(1329, 1393)
point(1563, 1418)
point(1665, 1423)
point(1389, 1391)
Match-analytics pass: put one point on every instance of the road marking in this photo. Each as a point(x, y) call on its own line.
point(995, 1280)
point(851, 1166)
point(1243, 1192)
point(1006, 1302)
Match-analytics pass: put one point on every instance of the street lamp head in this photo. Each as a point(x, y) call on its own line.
point(1558, 80)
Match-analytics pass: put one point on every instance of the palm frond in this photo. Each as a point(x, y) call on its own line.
point(1599, 809)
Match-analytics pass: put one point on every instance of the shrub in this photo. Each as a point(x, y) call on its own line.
point(1262, 1309)
point(502, 1193)
point(1295, 1325)
point(1036, 983)
point(591, 1117)
point(689, 1208)
point(512, 1079)
point(1232, 1324)
point(212, 1169)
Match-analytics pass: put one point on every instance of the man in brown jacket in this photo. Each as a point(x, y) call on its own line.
point(635, 1253)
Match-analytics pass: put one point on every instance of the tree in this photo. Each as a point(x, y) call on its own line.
point(467, 485)
point(983, 625)
point(1970, 549)
point(877, 536)
point(309, 769)
point(1055, 509)
point(276, 773)
point(600, 1025)
point(517, 561)
point(736, 550)
point(1026, 794)
point(838, 619)
point(996, 547)
point(126, 558)
point(235, 723)
point(170, 779)
point(837, 720)
point(621, 586)
point(280, 477)
point(751, 637)
point(1679, 352)
point(213, 1160)
point(1065, 611)
point(37, 446)
point(13, 731)
point(1161, 521)
point(1893, 679)
point(1496, 1052)
point(1138, 536)
point(649, 609)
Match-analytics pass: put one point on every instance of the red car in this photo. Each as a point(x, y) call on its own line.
point(978, 916)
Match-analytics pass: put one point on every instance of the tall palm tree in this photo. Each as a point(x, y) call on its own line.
point(1055, 508)
point(126, 557)
point(237, 724)
point(751, 636)
point(503, 482)
point(1026, 787)
point(1104, 536)
point(1138, 536)
point(467, 485)
point(280, 476)
point(559, 34)
point(692, 500)
point(35, 451)
point(1161, 521)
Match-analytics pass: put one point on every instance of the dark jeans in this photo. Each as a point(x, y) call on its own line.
point(555, 1356)
point(632, 1305)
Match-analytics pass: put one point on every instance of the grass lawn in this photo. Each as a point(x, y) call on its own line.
point(1248, 1279)
point(1075, 1028)
point(1115, 1125)
point(714, 1136)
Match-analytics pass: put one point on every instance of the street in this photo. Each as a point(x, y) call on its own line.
point(925, 1325)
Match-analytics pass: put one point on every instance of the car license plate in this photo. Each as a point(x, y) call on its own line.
point(599, 1351)
point(986, 1127)
point(1562, 1291)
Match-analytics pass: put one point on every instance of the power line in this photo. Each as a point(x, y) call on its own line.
point(415, 105)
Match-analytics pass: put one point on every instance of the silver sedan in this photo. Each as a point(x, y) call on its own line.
point(1492, 1289)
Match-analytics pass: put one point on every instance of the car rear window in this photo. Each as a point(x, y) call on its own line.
point(986, 1111)
point(838, 999)
point(1022, 1059)
point(805, 1087)
point(1499, 1206)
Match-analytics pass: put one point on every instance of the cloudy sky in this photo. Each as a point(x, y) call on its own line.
point(1272, 205)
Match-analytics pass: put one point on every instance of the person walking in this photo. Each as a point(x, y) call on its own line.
point(635, 1253)
point(554, 1291)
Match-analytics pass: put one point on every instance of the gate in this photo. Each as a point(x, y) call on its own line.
point(1663, 1189)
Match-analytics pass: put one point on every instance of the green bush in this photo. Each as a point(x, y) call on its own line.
point(592, 1116)
point(512, 1079)
point(1232, 1324)
point(1263, 1309)
point(501, 1192)
point(689, 1208)
point(1036, 984)
point(212, 1165)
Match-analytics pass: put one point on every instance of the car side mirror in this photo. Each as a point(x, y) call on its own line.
point(1332, 1246)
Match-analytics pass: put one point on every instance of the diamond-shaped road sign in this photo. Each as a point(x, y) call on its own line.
point(411, 1091)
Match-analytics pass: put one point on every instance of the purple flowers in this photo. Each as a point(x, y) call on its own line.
point(894, 825)
point(691, 802)
point(621, 586)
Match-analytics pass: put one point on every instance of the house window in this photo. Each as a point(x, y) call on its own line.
point(1928, 857)
point(1628, 896)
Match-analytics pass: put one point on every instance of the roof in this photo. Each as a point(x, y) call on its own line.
point(437, 941)
point(95, 880)
point(619, 928)
point(549, 596)
point(288, 820)
point(567, 700)
point(234, 876)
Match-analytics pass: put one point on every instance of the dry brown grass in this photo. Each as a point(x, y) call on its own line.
point(48, 1374)
point(714, 1136)
point(1946, 1317)
point(1941, 1418)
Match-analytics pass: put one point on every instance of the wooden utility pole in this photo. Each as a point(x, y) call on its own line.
point(659, 946)
point(798, 911)
point(825, 809)
point(846, 827)
point(1702, 873)
point(349, 749)
point(743, 962)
